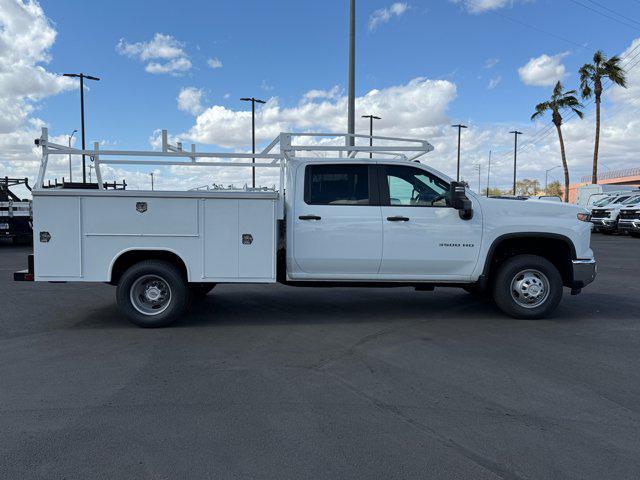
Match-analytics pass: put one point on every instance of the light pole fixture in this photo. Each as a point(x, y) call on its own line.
point(82, 76)
point(515, 158)
point(546, 174)
point(70, 170)
point(351, 103)
point(253, 134)
point(371, 119)
point(459, 127)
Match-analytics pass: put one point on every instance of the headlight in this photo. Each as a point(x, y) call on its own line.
point(584, 216)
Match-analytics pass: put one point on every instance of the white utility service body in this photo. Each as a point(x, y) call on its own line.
point(382, 221)
point(90, 229)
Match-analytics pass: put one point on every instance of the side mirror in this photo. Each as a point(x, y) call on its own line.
point(459, 200)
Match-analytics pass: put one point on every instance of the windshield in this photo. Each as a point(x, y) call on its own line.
point(632, 200)
point(602, 202)
point(620, 199)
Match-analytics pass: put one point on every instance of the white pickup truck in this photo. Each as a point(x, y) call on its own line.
point(345, 220)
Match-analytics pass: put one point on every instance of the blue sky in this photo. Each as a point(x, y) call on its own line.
point(282, 49)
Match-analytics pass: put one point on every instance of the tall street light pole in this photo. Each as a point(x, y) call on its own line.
point(351, 114)
point(459, 127)
point(82, 76)
point(488, 173)
point(70, 170)
point(253, 134)
point(371, 119)
point(546, 174)
point(151, 181)
point(515, 157)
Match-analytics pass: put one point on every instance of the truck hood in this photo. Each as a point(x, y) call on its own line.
point(530, 207)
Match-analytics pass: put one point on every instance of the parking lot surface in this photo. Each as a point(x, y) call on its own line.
point(280, 382)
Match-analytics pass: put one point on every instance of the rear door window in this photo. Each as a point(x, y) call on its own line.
point(337, 185)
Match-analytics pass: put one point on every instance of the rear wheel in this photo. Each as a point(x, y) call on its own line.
point(152, 293)
point(527, 287)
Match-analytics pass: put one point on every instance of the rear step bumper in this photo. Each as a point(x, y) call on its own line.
point(25, 275)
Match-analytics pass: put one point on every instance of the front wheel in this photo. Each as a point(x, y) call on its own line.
point(152, 293)
point(527, 287)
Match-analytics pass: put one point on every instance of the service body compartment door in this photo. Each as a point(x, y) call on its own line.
point(57, 237)
point(239, 240)
point(256, 224)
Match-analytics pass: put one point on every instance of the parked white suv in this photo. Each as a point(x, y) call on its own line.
point(629, 219)
point(343, 221)
point(605, 214)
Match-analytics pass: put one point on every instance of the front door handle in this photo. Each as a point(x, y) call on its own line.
point(309, 217)
point(398, 219)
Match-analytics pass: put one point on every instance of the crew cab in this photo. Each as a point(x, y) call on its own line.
point(605, 214)
point(338, 219)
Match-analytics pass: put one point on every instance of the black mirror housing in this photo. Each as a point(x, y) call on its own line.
point(460, 201)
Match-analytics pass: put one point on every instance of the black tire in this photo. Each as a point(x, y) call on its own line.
point(607, 232)
point(199, 290)
point(514, 268)
point(635, 234)
point(167, 278)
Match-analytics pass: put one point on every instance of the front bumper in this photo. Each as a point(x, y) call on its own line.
point(583, 273)
point(604, 224)
point(629, 225)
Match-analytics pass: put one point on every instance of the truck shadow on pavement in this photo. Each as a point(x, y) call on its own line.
point(277, 305)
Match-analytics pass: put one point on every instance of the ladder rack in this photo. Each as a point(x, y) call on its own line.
point(338, 145)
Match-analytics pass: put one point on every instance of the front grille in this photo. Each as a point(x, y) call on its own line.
point(630, 215)
point(600, 214)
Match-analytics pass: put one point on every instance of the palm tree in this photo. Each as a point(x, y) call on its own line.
point(591, 77)
point(558, 102)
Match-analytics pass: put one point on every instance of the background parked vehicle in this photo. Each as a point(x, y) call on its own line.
point(588, 195)
point(629, 220)
point(15, 213)
point(605, 216)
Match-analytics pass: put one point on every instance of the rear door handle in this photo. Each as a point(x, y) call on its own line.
point(398, 219)
point(309, 217)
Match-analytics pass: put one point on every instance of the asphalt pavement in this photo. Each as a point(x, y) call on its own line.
point(273, 382)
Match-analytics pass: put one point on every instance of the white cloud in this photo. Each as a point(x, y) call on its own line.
point(481, 6)
point(214, 63)
point(162, 54)
point(190, 100)
point(266, 86)
point(26, 37)
point(544, 70)
point(384, 15)
point(494, 82)
point(413, 109)
point(316, 94)
point(491, 62)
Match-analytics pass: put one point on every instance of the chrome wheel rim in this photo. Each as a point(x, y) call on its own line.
point(150, 295)
point(530, 288)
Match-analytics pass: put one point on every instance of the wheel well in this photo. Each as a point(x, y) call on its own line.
point(130, 258)
point(557, 249)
